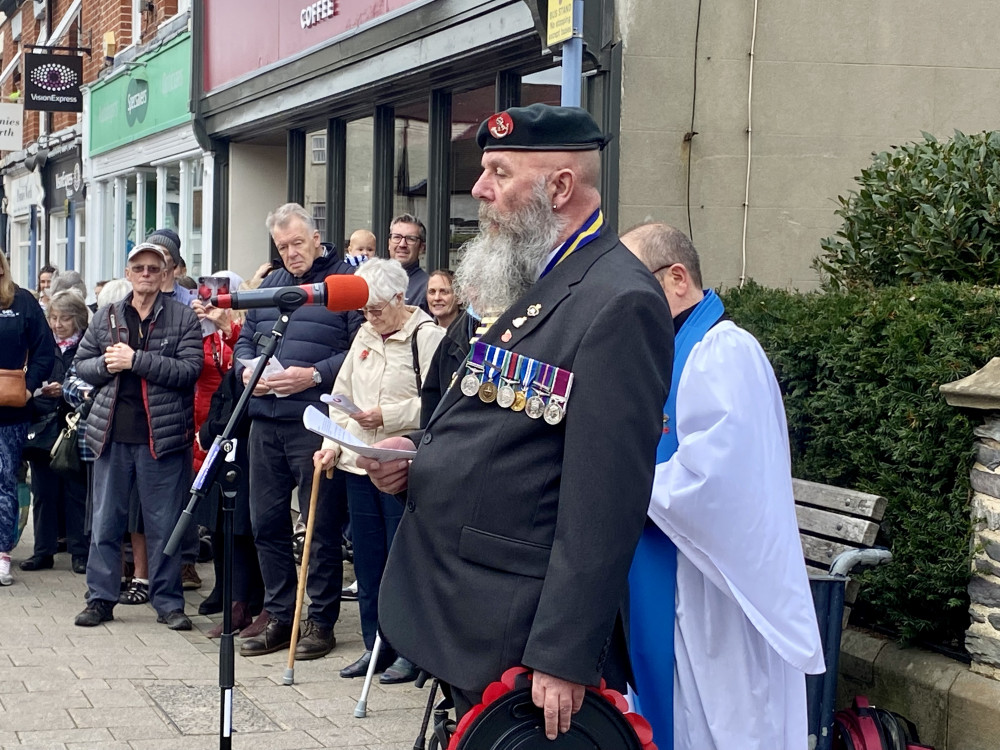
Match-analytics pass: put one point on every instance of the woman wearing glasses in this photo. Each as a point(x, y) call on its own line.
point(380, 378)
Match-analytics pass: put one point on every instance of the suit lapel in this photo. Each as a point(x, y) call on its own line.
point(543, 297)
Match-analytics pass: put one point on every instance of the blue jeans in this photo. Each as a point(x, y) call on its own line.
point(375, 517)
point(12, 437)
point(162, 488)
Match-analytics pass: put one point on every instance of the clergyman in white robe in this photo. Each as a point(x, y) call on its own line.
point(745, 631)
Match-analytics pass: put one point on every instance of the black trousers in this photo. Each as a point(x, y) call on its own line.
point(55, 495)
point(281, 453)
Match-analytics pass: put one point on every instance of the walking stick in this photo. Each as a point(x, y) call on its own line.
point(289, 678)
point(361, 710)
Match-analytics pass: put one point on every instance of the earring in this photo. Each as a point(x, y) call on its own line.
point(553, 206)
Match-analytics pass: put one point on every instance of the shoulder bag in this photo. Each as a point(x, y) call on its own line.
point(64, 457)
point(13, 390)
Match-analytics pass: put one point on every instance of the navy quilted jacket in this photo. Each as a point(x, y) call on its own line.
point(315, 337)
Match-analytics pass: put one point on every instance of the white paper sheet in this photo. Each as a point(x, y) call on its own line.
point(274, 367)
point(342, 402)
point(315, 421)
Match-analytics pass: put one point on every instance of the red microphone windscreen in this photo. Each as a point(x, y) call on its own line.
point(345, 292)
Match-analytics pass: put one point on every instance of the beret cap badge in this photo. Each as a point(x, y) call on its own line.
point(501, 125)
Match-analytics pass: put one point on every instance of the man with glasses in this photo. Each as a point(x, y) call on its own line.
point(407, 237)
point(281, 449)
point(143, 356)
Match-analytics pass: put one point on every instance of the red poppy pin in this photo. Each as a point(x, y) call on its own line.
point(501, 125)
point(364, 354)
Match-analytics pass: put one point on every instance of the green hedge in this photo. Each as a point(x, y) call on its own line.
point(928, 210)
point(860, 372)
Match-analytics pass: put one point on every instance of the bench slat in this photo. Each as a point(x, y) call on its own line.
point(838, 499)
point(821, 552)
point(844, 528)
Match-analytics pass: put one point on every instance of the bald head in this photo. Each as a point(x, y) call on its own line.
point(362, 243)
point(671, 258)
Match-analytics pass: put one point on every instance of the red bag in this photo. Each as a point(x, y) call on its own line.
point(864, 727)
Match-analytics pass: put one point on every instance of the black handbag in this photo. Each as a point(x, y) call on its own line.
point(41, 437)
point(64, 457)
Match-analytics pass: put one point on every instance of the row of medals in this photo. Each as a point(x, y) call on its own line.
point(507, 396)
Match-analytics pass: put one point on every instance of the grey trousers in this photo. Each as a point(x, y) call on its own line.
point(162, 488)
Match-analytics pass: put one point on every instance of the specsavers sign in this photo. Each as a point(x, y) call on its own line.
point(151, 96)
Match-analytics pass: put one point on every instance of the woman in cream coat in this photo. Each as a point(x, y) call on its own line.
point(379, 377)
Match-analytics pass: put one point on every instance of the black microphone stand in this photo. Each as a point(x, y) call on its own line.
point(228, 485)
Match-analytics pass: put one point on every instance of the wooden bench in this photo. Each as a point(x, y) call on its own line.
point(833, 520)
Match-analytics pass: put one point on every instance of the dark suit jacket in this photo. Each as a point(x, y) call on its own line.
point(518, 535)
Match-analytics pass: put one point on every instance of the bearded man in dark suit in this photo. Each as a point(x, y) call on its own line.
point(523, 512)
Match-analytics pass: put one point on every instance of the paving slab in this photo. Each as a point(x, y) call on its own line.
point(132, 684)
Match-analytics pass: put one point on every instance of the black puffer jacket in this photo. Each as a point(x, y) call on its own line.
point(169, 365)
point(315, 337)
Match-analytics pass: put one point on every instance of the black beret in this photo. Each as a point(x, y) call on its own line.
point(541, 127)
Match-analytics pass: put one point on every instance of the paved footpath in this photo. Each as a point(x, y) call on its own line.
point(131, 684)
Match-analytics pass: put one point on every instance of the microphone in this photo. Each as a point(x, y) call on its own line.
point(337, 293)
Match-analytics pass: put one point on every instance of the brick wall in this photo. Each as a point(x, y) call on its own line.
point(96, 18)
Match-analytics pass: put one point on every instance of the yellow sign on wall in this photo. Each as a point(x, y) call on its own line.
point(560, 22)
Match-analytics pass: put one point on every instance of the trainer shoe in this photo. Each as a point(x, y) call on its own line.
point(175, 620)
point(97, 611)
point(189, 577)
point(6, 579)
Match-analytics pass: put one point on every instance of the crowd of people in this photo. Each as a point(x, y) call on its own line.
point(600, 488)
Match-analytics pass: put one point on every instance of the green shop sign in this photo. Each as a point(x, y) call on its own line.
point(151, 96)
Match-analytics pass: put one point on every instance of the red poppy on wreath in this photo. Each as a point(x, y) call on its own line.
point(364, 355)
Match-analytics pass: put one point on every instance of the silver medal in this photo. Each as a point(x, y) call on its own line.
point(470, 384)
point(553, 413)
point(506, 396)
point(535, 407)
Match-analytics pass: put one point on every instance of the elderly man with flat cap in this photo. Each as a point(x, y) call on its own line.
point(529, 490)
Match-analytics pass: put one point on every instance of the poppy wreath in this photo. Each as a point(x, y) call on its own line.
point(496, 690)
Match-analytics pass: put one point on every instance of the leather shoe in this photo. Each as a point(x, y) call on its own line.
point(360, 667)
point(37, 562)
point(276, 636)
point(175, 620)
point(402, 670)
point(212, 604)
point(316, 641)
point(79, 564)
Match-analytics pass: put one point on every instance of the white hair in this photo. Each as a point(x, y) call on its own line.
point(280, 217)
point(385, 278)
point(114, 291)
point(497, 267)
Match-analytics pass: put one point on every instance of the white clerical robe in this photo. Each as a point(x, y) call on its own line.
point(745, 632)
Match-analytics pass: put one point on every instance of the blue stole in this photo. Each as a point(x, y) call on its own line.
point(653, 577)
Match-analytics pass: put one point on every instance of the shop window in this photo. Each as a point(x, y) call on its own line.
point(468, 110)
point(318, 141)
point(543, 87)
point(315, 179)
point(358, 195)
point(319, 218)
point(412, 142)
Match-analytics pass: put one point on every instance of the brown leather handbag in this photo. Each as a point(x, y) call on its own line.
point(13, 391)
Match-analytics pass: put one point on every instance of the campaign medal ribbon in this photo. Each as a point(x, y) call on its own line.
point(589, 232)
point(507, 395)
point(542, 386)
point(474, 367)
point(526, 370)
point(556, 409)
point(494, 365)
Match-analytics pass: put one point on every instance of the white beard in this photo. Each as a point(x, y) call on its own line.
point(498, 267)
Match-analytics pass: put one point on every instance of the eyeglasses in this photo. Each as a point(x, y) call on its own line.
point(374, 312)
point(141, 269)
point(410, 238)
